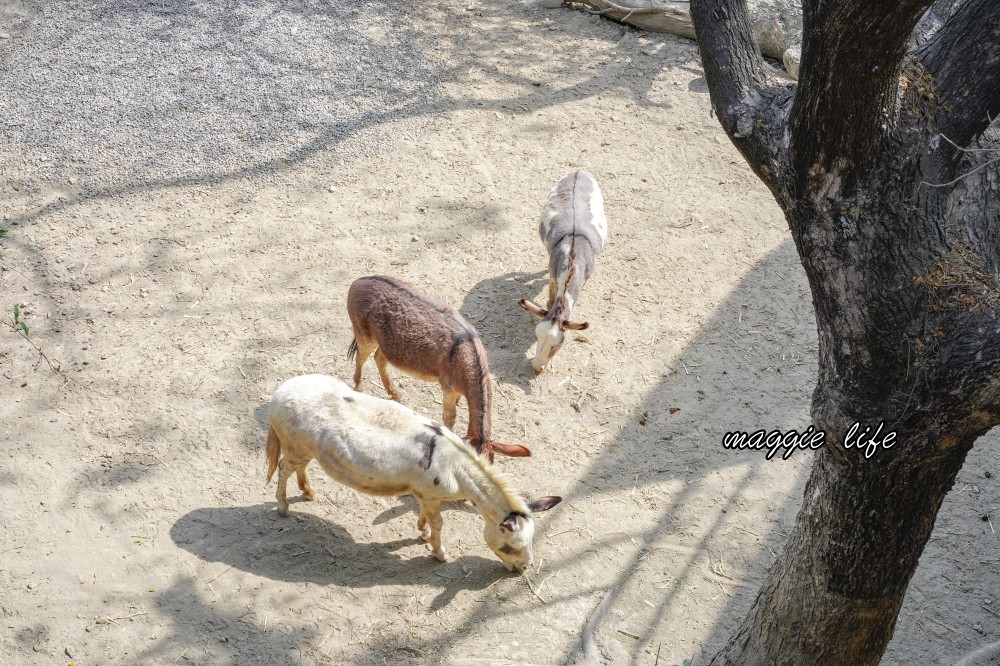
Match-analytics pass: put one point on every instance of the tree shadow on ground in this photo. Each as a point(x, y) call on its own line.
point(75, 168)
point(289, 105)
point(204, 633)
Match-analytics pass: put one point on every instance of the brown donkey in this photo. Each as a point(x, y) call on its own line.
point(427, 340)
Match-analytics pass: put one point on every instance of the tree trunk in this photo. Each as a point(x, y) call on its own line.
point(896, 222)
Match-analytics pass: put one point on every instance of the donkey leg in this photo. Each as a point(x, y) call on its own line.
point(425, 533)
point(383, 370)
point(300, 476)
point(285, 470)
point(450, 412)
point(432, 511)
point(365, 349)
point(552, 293)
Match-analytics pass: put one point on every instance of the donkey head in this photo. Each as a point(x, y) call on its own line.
point(550, 333)
point(511, 538)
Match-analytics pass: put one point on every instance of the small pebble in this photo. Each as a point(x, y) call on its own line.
point(31, 586)
point(69, 651)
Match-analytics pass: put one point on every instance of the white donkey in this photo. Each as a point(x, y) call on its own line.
point(381, 447)
point(575, 230)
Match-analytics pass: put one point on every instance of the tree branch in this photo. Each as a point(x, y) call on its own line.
point(932, 20)
point(849, 82)
point(737, 80)
point(964, 58)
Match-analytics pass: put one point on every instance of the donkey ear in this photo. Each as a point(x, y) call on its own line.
point(544, 503)
point(510, 522)
point(574, 326)
point(514, 450)
point(532, 308)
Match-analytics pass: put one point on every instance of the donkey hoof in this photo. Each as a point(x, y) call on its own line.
point(439, 555)
point(425, 534)
point(309, 495)
point(397, 396)
point(283, 511)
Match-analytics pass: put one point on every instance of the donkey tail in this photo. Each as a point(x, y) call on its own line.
point(352, 351)
point(273, 451)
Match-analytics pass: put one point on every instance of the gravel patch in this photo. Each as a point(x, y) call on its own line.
point(117, 96)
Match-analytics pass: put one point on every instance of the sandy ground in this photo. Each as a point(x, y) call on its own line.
point(137, 527)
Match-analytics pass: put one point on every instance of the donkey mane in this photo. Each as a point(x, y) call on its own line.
point(556, 313)
point(500, 479)
point(484, 386)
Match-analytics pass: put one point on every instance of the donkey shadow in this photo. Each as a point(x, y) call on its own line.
point(305, 548)
point(507, 331)
point(408, 505)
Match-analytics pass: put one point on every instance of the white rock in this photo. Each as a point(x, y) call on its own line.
point(791, 58)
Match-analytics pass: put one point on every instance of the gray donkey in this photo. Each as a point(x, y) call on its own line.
point(575, 230)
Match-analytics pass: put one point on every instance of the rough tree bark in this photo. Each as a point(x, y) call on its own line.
point(880, 159)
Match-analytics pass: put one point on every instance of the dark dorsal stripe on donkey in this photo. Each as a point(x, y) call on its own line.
point(574, 230)
point(428, 340)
